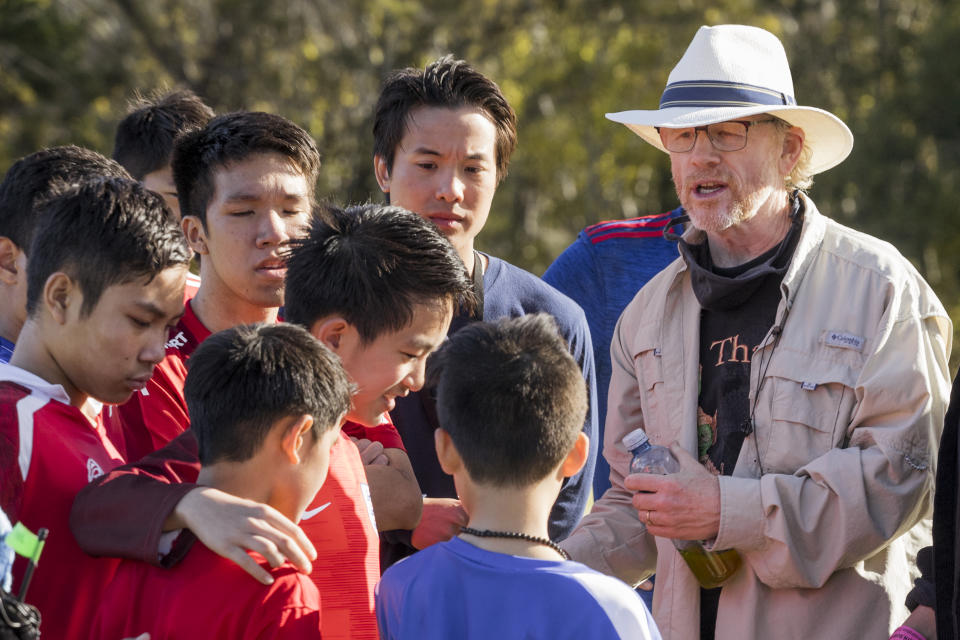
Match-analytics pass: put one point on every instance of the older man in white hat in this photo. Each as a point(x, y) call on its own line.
point(797, 369)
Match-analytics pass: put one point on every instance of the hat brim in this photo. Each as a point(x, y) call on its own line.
point(828, 138)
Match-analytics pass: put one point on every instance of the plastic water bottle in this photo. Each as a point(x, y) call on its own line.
point(711, 568)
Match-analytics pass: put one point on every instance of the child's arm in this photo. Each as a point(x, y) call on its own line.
point(394, 491)
point(125, 512)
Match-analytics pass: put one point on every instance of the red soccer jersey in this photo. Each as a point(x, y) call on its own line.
point(206, 596)
point(384, 433)
point(341, 526)
point(49, 450)
point(339, 522)
point(157, 414)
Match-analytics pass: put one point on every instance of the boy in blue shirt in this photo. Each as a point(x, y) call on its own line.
point(512, 402)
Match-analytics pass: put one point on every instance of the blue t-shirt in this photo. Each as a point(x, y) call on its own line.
point(509, 292)
point(602, 271)
point(456, 590)
point(6, 350)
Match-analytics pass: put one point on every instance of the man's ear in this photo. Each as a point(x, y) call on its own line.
point(577, 456)
point(296, 435)
point(10, 273)
point(195, 233)
point(382, 172)
point(792, 148)
point(60, 292)
point(447, 454)
point(331, 331)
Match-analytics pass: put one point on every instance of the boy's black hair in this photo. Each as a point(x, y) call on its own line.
point(242, 380)
point(447, 83)
point(35, 177)
point(145, 136)
point(511, 397)
point(233, 138)
point(372, 264)
point(101, 233)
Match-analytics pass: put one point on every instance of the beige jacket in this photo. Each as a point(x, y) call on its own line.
point(848, 422)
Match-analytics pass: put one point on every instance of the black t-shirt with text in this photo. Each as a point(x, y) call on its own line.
point(736, 315)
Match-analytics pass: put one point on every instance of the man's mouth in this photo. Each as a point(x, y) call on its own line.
point(709, 188)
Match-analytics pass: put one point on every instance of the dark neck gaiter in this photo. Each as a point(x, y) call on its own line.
point(720, 289)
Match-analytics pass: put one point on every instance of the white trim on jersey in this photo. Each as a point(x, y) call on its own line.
point(628, 617)
point(26, 407)
point(43, 389)
point(36, 384)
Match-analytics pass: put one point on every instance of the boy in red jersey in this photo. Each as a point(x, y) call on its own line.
point(375, 284)
point(245, 183)
point(105, 282)
point(28, 182)
point(266, 402)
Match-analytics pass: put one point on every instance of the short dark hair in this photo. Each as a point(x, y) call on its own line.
point(100, 233)
point(145, 136)
point(511, 397)
point(372, 264)
point(445, 83)
point(242, 380)
point(232, 138)
point(33, 178)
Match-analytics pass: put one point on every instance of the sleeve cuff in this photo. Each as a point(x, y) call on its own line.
point(741, 514)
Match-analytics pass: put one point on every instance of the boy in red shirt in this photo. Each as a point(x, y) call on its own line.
point(105, 283)
point(29, 181)
point(245, 183)
point(378, 286)
point(266, 402)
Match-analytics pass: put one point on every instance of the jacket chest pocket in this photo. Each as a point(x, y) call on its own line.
point(648, 365)
point(810, 409)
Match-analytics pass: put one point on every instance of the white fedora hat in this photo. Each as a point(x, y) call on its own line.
point(733, 71)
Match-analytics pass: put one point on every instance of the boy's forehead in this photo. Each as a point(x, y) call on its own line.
point(251, 175)
point(443, 126)
point(159, 295)
point(427, 327)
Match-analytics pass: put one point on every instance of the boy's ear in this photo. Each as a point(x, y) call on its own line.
point(195, 233)
point(382, 172)
point(447, 454)
point(295, 437)
point(59, 293)
point(577, 456)
point(330, 331)
point(9, 271)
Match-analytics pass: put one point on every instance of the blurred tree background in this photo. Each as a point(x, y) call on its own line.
point(68, 68)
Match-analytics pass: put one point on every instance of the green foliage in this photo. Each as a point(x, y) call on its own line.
point(68, 67)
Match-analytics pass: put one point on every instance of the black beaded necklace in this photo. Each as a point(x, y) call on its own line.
point(517, 535)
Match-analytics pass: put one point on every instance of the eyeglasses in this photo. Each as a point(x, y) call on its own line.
point(724, 136)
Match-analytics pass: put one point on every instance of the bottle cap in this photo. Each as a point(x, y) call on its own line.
point(634, 439)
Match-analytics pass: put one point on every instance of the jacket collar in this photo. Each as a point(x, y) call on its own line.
point(811, 239)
